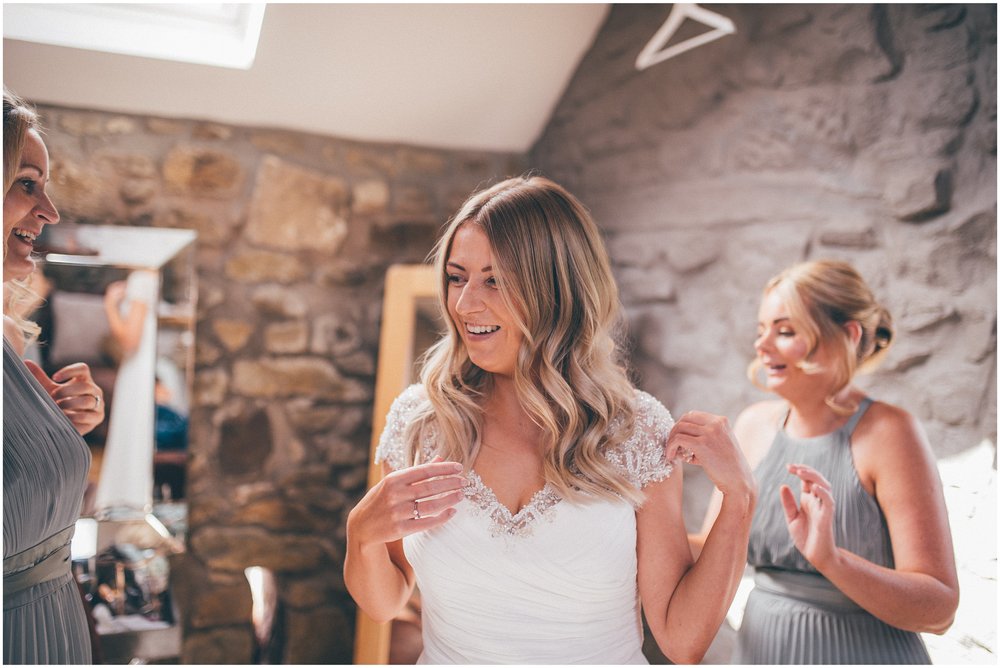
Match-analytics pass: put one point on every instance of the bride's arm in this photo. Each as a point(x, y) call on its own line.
point(685, 601)
point(376, 571)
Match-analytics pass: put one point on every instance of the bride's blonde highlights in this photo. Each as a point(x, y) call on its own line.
point(554, 275)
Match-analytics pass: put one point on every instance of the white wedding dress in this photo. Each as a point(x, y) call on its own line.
point(555, 583)
point(126, 479)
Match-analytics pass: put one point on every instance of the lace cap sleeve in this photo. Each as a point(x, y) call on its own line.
point(643, 457)
point(391, 446)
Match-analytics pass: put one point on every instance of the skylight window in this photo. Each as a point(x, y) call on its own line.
point(224, 35)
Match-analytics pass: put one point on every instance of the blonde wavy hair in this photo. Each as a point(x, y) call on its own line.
point(554, 275)
point(821, 297)
point(18, 119)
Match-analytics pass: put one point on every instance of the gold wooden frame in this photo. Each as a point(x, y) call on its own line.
point(404, 285)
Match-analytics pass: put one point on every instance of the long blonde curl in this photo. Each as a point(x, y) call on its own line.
point(554, 275)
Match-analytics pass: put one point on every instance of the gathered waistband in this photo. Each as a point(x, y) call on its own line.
point(808, 587)
point(46, 561)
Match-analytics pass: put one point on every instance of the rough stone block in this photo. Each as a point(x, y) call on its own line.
point(252, 266)
point(245, 443)
point(341, 452)
point(210, 387)
point(206, 354)
point(137, 191)
point(365, 160)
point(370, 197)
point(274, 513)
point(916, 193)
point(212, 230)
point(282, 143)
point(335, 335)
point(295, 376)
point(358, 363)
point(233, 549)
point(648, 284)
point(200, 172)
point(412, 201)
point(81, 124)
point(163, 126)
point(233, 334)
point(214, 605)
point(278, 301)
point(212, 131)
point(128, 165)
point(286, 337)
point(309, 418)
point(940, 99)
point(857, 236)
point(421, 161)
point(293, 208)
point(85, 191)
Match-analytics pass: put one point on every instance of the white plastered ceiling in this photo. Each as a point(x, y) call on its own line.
point(470, 76)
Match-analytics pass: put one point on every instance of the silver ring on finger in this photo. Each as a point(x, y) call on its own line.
point(416, 510)
point(97, 402)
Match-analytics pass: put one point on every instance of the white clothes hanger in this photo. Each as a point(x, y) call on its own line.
point(654, 52)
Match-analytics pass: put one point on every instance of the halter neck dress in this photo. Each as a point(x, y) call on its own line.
point(794, 615)
point(45, 464)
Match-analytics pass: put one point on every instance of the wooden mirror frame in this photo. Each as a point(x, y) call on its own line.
point(404, 285)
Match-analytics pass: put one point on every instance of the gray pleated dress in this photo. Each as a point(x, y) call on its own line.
point(795, 615)
point(45, 464)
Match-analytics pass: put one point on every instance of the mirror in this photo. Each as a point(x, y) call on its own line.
point(410, 324)
point(93, 278)
point(139, 450)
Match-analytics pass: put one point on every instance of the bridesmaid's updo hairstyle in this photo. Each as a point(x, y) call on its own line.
point(821, 297)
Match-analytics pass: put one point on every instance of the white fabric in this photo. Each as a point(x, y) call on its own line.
point(555, 583)
point(127, 467)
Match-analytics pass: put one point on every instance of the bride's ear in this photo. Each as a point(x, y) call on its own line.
point(853, 329)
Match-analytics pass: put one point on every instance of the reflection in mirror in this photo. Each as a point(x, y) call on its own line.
point(411, 322)
point(122, 299)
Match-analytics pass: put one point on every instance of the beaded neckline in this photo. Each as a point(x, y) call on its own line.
point(502, 521)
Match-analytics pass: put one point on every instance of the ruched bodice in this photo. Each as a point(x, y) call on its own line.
point(552, 583)
point(45, 464)
point(859, 525)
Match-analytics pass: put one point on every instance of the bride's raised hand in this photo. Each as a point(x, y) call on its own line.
point(810, 521)
point(707, 440)
point(407, 501)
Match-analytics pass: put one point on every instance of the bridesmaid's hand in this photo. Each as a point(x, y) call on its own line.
point(75, 392)
point(706, 440)
point(407, 501)
point(810, 522)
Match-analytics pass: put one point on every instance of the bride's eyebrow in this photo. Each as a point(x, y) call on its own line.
point(487, 269)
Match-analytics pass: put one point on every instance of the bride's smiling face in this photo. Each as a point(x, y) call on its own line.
point(475, 305)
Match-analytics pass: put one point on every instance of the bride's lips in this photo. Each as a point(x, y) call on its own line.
point(480, 330)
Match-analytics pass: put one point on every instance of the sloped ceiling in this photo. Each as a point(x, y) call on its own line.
point(473, 76)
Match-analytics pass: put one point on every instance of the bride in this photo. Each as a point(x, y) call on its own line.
point(531, 492)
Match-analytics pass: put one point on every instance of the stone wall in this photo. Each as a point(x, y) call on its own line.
point(295, 235)
point(865, 133)
point(848, 131)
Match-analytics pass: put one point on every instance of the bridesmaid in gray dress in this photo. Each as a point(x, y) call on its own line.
point(859, 559)
point(45, 460)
